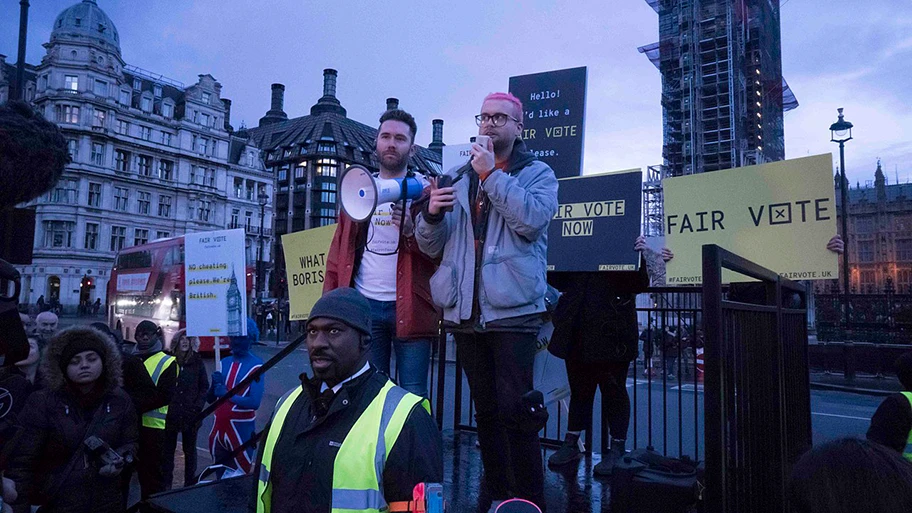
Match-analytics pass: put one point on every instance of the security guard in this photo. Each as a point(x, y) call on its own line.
point(891, 424)
point(348, 439)
point(163, 370)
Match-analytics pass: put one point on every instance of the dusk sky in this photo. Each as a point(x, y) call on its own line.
point(441, 58)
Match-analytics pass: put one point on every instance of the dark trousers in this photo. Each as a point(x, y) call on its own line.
point(151, 464)
point(611, 378)
point(498, 366)
point(188, 444)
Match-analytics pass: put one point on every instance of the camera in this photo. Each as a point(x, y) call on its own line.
point(100, 452)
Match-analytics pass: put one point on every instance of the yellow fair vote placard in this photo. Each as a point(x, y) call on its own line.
point(780, 215)
point(305, 266)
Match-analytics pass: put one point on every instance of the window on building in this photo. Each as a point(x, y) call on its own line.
point(73, 148)
point(144, 165)
point(140, 236)
point(167, 110)
point(206, 97)
point(118, 237)
point(166, 169)
point(238, 187)
point(326, 147)
point(68, 114)
point(251, 190)
point(203, 146)
point(162, 235)
point(326, 168)
point(248, 220)
point(864, 224)
point(166, 138)
point(123, 127)
point(235, 214)
point(904, 281)
point(94, 194)
point(209, 177)
point(251, 159)
point(868, 282)
point(58, 234)
point(283, 173)
point(205, 120)
point(43, 82)
point(99, 118)
point(328, 197)
point(866, 251)
point(145, 133)
point(157, 90)
point(143, 200)
point(194, 175)
point(65, 191)
point(300, 170)
point(904, 250)
point(137, 84)
point(146, 104)
point(205, 208)
point(98, 154)
point(91, 236)
point(71, 83)
point(121, 198)
point(101, 88)
point(122, 161)
point(164, 206)
point(125, 97)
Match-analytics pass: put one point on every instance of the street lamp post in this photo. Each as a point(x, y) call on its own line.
point(263, 199)
point(841, 132)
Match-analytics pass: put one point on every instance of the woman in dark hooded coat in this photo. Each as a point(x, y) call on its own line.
point(51, 464)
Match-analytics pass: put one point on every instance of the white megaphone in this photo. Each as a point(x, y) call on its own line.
point(360, 192)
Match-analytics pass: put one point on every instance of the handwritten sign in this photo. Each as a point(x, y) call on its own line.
point(215, 282)
point(554, 111)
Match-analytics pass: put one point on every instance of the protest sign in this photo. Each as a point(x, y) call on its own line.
point(779, 215)
point(554, 112)
point(305, 266)
point(455, 156)
point(597, 222)
point(215, 283)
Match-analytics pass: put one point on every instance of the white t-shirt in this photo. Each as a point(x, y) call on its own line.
point(376, 278)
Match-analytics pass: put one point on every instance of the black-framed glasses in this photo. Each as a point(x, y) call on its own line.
point(498, 120)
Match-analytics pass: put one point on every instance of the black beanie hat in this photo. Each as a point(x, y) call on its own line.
point(146, 326)
point(79, 345)
point(346, 305)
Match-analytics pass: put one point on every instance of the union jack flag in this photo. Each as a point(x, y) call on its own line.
point(234, 425)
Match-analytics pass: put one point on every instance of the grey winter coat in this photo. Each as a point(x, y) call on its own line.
point(512, 274)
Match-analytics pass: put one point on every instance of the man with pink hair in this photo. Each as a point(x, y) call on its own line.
point(490, 230)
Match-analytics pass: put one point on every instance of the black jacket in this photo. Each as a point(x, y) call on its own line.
point(891, 423)
point(595, 319)
point(139, 385)
point(162, 393)
point(304, 455)
point(55, 423)
point(15, 389)
point(189, 394)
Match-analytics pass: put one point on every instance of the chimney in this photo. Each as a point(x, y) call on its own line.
point(392, 103)
point(328, 103)
point(275, 114)
point(437, 142)
point(227, 103)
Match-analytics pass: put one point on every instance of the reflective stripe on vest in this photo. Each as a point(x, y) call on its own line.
point(155, 366)
point(908, 452)
point(358, 467)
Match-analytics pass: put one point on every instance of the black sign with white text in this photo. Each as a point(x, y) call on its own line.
point(554, 108)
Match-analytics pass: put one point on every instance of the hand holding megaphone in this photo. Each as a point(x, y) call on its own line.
point(360, 192)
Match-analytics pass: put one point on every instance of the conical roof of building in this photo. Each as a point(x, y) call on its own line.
point(86, 22)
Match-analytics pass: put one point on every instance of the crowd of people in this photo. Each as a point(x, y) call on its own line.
point(468, 255)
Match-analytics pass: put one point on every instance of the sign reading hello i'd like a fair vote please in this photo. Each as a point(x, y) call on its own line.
point(305, 267)
point(597, 223)
point(779, 215)
point(215, 283)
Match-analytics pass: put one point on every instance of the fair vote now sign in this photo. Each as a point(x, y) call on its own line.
point(779, 215)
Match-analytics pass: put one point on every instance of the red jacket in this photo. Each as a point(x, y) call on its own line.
point(416, 315)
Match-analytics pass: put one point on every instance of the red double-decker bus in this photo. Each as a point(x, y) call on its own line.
point(147, 283)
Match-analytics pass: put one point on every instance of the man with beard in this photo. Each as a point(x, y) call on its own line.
point(381, 260)
point(346, 439)
point(491, 230)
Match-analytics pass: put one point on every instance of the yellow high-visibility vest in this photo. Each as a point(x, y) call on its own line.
point(908, 452)
point(157, 364)
point(358, 467)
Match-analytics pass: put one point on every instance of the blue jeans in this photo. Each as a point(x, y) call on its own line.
point(413, 357)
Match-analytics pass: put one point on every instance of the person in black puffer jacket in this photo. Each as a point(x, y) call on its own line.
point(83, 399)
point(187, 402)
